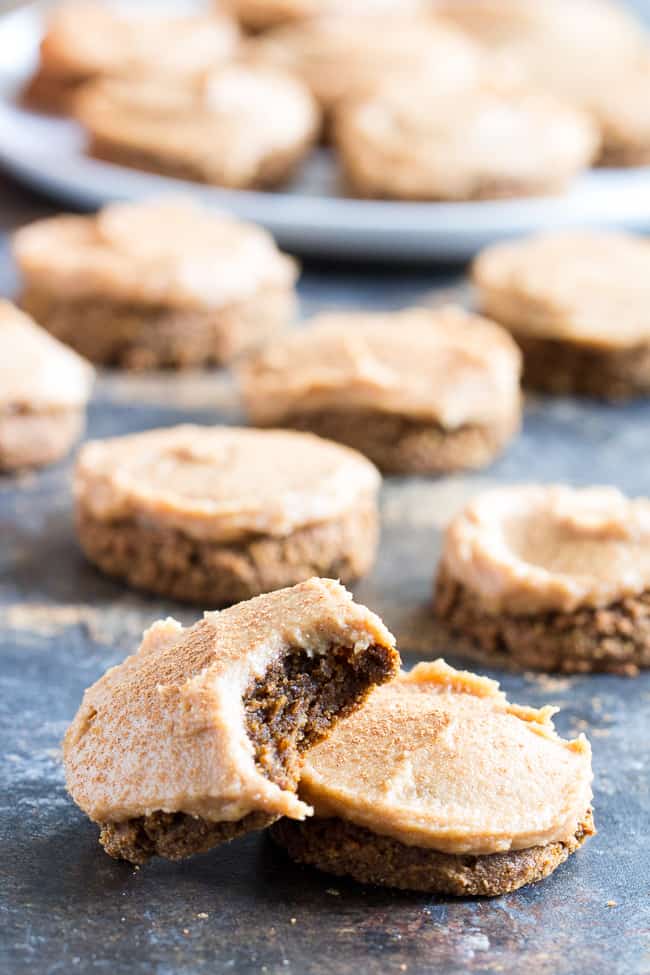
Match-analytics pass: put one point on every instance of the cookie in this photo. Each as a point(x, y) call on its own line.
point(199, 736)
point(549, 578)
point(417, 391)
point(258, 15)
point(156, 285)
point(439, 784)
point(44, 388)
point(239, 126)
point(343, 56)
point(593, 53)
point(577, 305)
point(214, 515)
point(87, 41)
point(414, 142)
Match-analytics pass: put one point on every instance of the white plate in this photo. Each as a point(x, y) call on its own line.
point(47, 154)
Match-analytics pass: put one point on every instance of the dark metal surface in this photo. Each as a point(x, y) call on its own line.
point(66, 907)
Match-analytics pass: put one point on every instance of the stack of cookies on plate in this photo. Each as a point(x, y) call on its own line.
point(420, 99)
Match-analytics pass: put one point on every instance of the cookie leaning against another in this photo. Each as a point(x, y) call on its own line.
point(213, 515)
point(438, 784)
point(44, 388)
point(417, 391)
point(198, 737)
point(89, 40)
point(160, 284)
point(411, 141)
point(549, 578)
point(239, 126)
point(577, 304)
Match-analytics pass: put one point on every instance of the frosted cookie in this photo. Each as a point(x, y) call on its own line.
point(44, 388)
point(551, 578)
point(417, 391)
point(213, 515)
point(87, 41)
point(338, 57)
point(439, 784)
point(577, 304)
point(590, 52)
point(240, 126)
point(199, 736)
point(256, 15)
point(162, 284)
point(414, 142)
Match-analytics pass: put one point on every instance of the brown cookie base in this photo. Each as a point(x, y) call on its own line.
point(273, 170)
point(560, 367)
point(36, 439)
point(291, 708)
point(403, 445)
point(211, 574)
point(615, 639)
point(339, 847)
point(45, 92)
point(138, 337)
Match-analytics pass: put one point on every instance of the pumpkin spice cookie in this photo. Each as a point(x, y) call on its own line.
point(199, 736)
point(213, 515)
point(592, 53)
point(417, 391)
point(577, 304)
point(87, 41)
point(549, 578)
point(239, 126)
point(414, 142)
point(44, 388)
point(343, 56)
point(439, 784)
point(160, 284)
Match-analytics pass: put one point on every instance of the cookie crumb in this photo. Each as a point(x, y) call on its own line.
point(202, 915)
point(612, 903)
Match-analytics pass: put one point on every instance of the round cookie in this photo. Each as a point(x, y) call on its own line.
point(44, 388)
point(593, 53)
point(438, 784)
point(213, 515)
point(198, 737)
point(343, 56)
point(549, 578)
point(577, 304)
point(240, 126)
point(257, 15)
point(414, 142)
point(161, 284)
point(417, 391)
point(87, 41)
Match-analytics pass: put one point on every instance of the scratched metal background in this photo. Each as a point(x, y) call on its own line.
point(66, 907)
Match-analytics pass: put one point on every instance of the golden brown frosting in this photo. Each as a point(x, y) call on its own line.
point(168, 251)
point(532, 549)
point(228, 124)
point(438, 758)
point(223, 483)
point(165, 730)
point(443, 365)
point(590, 287)
point(470, 142)
point(87, 39)
point(341, 56)
point(37, 372)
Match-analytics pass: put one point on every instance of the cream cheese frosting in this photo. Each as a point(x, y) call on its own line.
point(168, 251)
point(88, 40)
point(590, 286)
point(530, 549)
point(223, 483)
point(443, 365)
point(342, 56)
point(165, 730)
point(439, 758)
point(480, 140)
point(38, 373)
